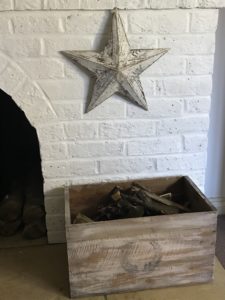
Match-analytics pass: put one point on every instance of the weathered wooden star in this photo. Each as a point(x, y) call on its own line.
point(117, 67)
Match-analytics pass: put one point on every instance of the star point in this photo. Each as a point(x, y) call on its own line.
point(117, 67)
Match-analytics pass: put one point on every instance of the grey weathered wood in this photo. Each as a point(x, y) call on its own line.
point(117, 67)
point(140, 253)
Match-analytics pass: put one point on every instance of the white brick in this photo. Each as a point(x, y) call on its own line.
point(54, 151)
point(31, 24)
point(112, 108)
point(42, 68)
point(183, 125)
point(87, 22)
point(29, 90)
point(128, 129)
point(83, 168)
point(20, 47)
point(142, 41)
point(131, 4)
point(200, 65)
point(127, 166)
point(187, 3)
point(155, 146)
point(95, 149)
point(43, 113)
point(3, 63)
point(195, 142)
point(210, 3)
point(33, 101)
point(62, 4)
point(11, 78)
point(28, 4)
point(148, 86)
point(57, 169)
point(96, 4)
point(182, 162)
point(161, 22)
point(5, 25)
point(67, 111)
point(189, 44)
point(184, 86)
point(6, 5)
point(55, 44)
point(156, 4)
point(82, 131)
point(65, 89)
point(51, 133)
point(198, 105)
point(167, 65)
point(203, 21)
point(157, 108)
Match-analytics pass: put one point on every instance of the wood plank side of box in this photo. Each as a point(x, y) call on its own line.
point(141, 253)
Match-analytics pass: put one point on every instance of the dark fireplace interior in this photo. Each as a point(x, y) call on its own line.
point(21, 180)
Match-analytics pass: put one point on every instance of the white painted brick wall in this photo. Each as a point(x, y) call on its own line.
point(117, 140)
point(107, 4)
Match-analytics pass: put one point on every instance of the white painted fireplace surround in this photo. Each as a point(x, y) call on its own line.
point(117, 140)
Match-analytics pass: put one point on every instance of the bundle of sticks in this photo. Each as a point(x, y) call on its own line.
point(136, 201)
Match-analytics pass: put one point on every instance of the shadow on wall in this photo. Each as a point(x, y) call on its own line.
point(215, 172)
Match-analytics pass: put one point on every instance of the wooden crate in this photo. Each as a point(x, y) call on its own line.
point(139, 253)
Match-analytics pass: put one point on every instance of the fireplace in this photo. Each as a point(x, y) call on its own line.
point(116, 141)
point(21, 180)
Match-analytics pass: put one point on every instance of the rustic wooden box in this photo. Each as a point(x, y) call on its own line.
point(142, 253)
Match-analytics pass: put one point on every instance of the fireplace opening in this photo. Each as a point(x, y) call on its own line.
point(21, 179)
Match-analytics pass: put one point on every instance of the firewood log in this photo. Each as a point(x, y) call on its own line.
point(162, 200)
